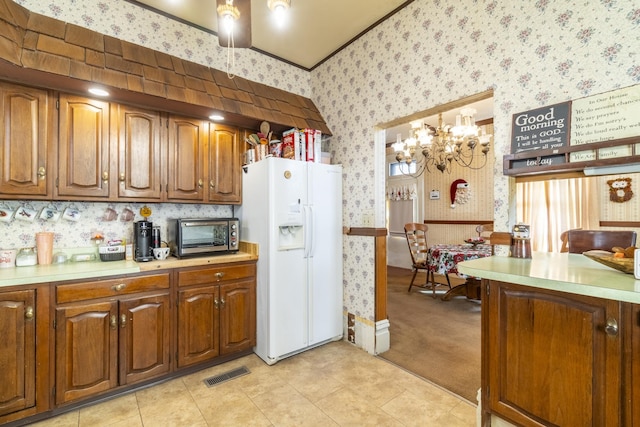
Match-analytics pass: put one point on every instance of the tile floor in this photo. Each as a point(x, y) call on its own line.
point(336, 384)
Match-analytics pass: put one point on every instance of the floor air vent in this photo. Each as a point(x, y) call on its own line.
point(218, 379)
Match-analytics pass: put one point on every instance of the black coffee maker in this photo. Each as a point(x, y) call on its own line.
point(143, 240)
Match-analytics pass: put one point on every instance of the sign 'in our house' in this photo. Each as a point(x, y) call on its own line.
point(605, 117)
point(545, 128)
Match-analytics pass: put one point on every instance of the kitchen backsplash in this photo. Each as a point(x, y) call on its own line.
point(76, 232)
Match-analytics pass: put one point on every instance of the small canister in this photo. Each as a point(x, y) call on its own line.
point(7, 258)
point(156, 241)
point(521, 248)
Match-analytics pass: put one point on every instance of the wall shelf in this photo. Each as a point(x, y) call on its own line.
point(539, 155)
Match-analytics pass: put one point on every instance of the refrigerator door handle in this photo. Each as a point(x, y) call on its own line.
point(311, 228)
point(308, 231)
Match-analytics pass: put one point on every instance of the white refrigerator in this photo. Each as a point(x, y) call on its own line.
point(293, 210)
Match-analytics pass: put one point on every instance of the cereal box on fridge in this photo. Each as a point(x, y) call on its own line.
point(291, 144)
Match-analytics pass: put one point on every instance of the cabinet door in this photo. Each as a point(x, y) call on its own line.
point(237, 316)
point(225, 165)
point(186, 157)
point(86, 350)
point(24, 142)
point(17, 351)
point(198, 327)
point(145, 330)
point(547, 359)
point(83, 148)
point(139, 136)
point(634, 398)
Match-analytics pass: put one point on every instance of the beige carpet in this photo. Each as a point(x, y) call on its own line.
point(437, 340)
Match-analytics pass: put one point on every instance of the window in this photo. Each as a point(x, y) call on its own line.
point(402, 168)
point(553, 206)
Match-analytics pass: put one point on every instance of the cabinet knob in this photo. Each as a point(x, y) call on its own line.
point(200, 183)
point(123, 320)
point(105, 176)
point(215, 302)
point(121, 176)
point(611, 328)
point(28, 313)
point(219, 275)
point(119, 287)
point(222, 302)
point(212, 184)
point(113, 322)
point(42, 172)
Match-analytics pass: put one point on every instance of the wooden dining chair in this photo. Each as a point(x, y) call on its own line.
point(500, 238)
point(564, 238)
point(416, 235)
point(484, 231)
point(579, 241)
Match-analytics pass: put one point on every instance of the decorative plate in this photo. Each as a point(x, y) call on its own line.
point(606, 258)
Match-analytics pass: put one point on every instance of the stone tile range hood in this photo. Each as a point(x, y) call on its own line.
point(44, 52)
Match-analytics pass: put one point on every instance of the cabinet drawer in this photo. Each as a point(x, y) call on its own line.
point(216, 274)
point(110, 287)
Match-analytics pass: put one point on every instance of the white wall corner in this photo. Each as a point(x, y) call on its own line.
point(366, 336)
point(383, 339)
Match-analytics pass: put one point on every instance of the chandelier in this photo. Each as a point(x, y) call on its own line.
point(465, 144)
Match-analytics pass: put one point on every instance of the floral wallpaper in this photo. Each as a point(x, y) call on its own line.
point(531, 53)
point(18, 231)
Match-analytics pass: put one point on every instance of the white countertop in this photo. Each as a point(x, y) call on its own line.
point(573, 273)
point(100, 269)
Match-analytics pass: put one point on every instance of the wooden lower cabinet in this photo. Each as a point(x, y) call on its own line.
point(18, 351)
point(23, 352)
point(117, 341)
point(632, 408)
point(69, 343)
point(216, 312)
point(551, 358)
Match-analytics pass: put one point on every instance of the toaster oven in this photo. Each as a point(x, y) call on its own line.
point(203, 236)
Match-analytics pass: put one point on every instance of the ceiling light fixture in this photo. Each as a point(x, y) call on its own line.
point(441, 146)
point(279, 7)
point(229, 14)
point(98, 92)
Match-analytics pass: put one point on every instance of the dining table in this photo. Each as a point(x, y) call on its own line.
point(444, 258)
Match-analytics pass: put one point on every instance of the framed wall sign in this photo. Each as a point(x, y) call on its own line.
point(545, 128)
point(605, 117)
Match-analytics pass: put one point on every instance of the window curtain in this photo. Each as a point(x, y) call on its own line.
point(553, 206)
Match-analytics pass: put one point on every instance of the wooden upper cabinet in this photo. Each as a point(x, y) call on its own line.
point(225, 163)
point(94, 150)
point(186, 154)
point(139, 171)
point(26, 121)
point(83, 148)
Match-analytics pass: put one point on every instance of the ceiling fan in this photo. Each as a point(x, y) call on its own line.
point(234, 20)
